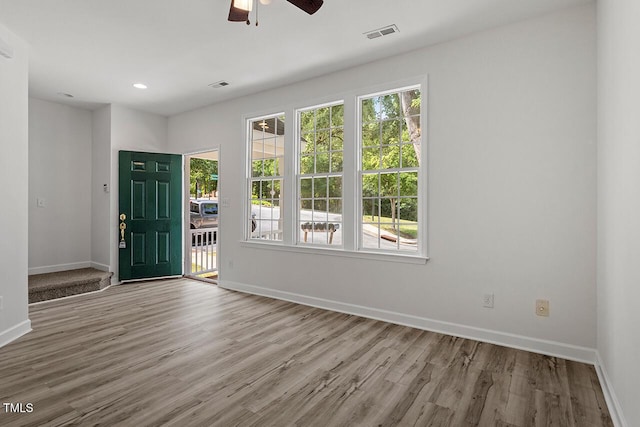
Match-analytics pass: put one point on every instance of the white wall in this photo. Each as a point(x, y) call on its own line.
point(136, 131)
point(60, 174)
point(14, 175)
point(512, 201)
point(619, 201)
point(100, 175)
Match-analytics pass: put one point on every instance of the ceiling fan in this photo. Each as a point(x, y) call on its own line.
point(239, 11)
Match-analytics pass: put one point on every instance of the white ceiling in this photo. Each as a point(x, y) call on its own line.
point(96, 49)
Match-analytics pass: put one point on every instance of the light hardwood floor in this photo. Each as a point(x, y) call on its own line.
point(185, 353)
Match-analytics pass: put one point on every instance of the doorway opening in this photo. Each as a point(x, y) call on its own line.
point(201, 215)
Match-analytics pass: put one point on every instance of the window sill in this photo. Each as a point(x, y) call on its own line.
point(327, 251)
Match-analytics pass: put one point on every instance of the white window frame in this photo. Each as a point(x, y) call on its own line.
point(351, 192)
point(249, 175)
point(420, 247)
point(298, 176)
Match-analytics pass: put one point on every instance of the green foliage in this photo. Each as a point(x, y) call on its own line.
point(201, 171)
point(321, 152)
point(266, 190)
point(255, 201)
point(386, 144)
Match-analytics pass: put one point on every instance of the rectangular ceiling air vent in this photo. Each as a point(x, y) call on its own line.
point(221, 83)
point(384, 31)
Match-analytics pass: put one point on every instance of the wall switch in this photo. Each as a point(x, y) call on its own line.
point(225, 202)
point(230, 264)
point(105, 188)
point(542, 307)
point(487, 300)
point(1, 305)
point(41, 202)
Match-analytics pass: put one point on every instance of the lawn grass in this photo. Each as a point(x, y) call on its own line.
point(407, 229)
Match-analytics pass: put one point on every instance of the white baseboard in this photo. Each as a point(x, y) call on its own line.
point(15, 332)
point(550, 348)
point(615, 410)
point(59, 267)
point(98, 266)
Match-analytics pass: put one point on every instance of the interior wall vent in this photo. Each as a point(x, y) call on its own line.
point(221, 83)
point(384, 31)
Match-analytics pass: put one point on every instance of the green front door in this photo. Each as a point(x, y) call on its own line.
point(150, 202)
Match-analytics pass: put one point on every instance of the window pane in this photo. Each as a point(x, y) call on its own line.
point(370, 185)
point(322, 163)
point(274, 191)
point(391, 131)
point(306, 120)
point(370, 158)
point(335, 186)
point(322, 140)
point(408, 209)
point(336, 162)
point(335, 207)
point(390, 157)
point(371, 134)
point(319, 187)
point(320, 207)
point(306, 165)
point(266, 141)
point(371, 209)
point(270, 167)
point(305, 188)
point(414, 124)
point(321, 153)
point(256, 168)
point(306, 204)
point(408, 183)
point(409, 159)
point(368, 111)
point(323, 119)
point(337, 115)
point(307, 143)
point(337, 138)
point(390, 198)
point(389, 184)
point(255, 190)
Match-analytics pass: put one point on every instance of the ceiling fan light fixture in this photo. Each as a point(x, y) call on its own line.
point(246, 5)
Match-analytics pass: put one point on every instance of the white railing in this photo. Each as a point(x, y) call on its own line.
point(269, 235)
point(203, 250)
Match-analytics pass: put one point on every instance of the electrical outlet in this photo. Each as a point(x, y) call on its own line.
point(487, 300)
point(542, 307)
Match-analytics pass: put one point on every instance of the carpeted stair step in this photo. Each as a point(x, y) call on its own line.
point(43, 287)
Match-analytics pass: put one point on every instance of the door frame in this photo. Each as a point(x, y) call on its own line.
point(185, 209)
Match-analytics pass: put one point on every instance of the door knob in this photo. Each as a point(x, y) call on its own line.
point(123, 227)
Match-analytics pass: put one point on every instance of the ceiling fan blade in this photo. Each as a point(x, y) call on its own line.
point(237, 15)
point(309, 6)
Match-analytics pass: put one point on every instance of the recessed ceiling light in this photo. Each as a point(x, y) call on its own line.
point(140, 85)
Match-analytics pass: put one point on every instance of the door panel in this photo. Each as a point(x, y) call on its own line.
point(151, 198)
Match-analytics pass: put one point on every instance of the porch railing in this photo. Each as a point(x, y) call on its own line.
point(203, 250)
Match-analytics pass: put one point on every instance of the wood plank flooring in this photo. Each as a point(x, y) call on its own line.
point(185, 353)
